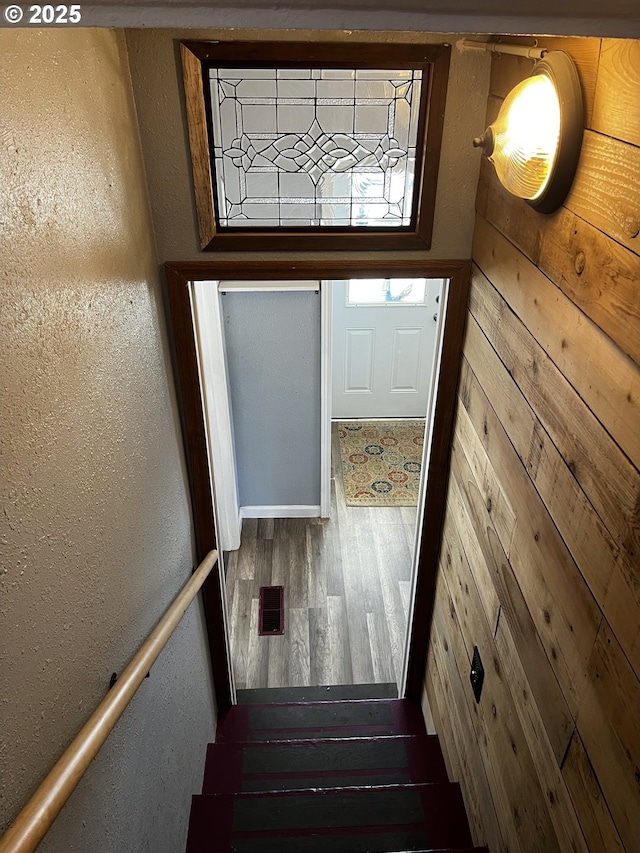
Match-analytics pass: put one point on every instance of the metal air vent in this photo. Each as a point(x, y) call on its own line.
point(271, 612)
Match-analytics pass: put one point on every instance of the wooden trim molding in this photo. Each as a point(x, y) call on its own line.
point(437, 479)
point(179, 276)
point(199, 144)
point(194, 433)
point(432, 59)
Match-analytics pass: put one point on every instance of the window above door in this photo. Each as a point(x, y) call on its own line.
point(314, 146)
point(386, 291)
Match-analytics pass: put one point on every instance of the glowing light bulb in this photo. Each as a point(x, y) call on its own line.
point(526, 135)
point(535, 141)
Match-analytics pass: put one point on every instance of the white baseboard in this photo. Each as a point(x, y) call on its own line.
point(384, 420)
point(285, 511)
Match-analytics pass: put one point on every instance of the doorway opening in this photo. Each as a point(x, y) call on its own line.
point(344, 560)
point(347, 581)
point(193, 400)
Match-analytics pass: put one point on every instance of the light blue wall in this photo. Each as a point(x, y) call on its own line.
point(273, 357)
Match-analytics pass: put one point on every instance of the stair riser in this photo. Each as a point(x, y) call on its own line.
point(260, 723)
point(334, 693)
point(381, 840)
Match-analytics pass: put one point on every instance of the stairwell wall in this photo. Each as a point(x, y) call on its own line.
point(539, 566)
point(157, 81)
point(95, 533)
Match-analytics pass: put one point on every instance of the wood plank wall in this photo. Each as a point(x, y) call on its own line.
point(540, 561)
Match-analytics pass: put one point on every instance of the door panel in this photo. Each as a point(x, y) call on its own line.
point(358, 360)
point(382, 355)
point(406, 359)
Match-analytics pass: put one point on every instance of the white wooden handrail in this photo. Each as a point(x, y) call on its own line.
point(35, 819)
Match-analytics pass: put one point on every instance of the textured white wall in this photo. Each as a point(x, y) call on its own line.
point(157, 80)
point(95, 530)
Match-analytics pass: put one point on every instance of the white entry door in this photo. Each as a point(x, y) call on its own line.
point(384, 335)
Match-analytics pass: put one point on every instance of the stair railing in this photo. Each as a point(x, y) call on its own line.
point(36, 818)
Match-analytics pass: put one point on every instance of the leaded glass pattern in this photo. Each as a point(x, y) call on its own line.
point(314, 147)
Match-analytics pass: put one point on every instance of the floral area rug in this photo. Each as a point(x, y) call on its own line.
point(381, 461)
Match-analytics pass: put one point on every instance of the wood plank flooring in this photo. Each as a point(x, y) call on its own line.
point(347, 585)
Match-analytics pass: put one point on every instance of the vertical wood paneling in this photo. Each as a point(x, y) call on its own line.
point(515, 630)
point(608, 725)
point(447, 696)
point(540, 564)
point(587, 798)
point(592, 269)
point(607, 569)
point(563, 610)
point(600, 467)
point(606, 190)
point(603, 376)
point(617, 94)
point(500, 737)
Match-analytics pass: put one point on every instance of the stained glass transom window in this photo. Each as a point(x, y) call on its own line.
point(314, 147)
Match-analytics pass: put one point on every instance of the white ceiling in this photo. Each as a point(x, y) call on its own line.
point(615, 18)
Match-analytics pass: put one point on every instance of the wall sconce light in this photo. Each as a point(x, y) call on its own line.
point(535, 141)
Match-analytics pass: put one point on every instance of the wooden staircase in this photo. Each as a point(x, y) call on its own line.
point(326, 770)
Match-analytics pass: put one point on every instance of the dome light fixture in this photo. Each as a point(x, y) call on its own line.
point(535, 141)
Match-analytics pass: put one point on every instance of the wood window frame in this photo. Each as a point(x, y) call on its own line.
point(179, 277)
point(432, 59)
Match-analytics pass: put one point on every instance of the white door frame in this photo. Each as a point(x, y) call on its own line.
point(212, 364)
point(326, 348)
point(214, 381)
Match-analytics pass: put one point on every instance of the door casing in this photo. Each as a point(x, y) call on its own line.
point(178, 277)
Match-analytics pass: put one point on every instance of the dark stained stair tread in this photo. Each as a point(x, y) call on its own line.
point(358, 776)
point(288, 765)
point(320, 720)
point(413, 816)
point(333, 693)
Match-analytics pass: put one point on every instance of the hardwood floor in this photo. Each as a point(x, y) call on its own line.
point(346, 584)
